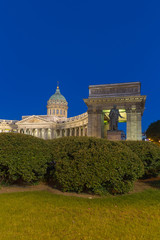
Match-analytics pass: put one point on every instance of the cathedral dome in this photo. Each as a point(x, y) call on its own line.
point(57, 105)
point(57, 97)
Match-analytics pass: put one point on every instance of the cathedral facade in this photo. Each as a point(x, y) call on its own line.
point(95, 122)
point(53, 125)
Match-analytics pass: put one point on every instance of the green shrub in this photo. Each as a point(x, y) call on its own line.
point(149, 153)
point(90, 164)
point(23, 158)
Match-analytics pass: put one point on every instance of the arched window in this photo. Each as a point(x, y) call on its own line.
point(53, 111)
point(61, 112)
point(57, 111)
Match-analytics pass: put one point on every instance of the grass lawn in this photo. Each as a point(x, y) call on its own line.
point(43, 215)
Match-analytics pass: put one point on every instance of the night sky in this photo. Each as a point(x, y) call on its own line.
point(78, 43)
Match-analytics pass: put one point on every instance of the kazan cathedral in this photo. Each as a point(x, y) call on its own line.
point(95, 122)
point(54, 124)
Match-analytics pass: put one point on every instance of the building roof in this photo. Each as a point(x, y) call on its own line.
point(57, 97)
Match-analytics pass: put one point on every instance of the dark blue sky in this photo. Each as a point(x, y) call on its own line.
point(78, 43)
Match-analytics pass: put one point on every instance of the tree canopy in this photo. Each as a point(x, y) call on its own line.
point(153, 131)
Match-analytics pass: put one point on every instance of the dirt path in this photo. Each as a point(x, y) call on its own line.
point(42, 187)
point(139, 186)
point(142, 185)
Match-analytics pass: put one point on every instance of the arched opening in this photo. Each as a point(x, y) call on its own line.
point(63, 132)
point(58, 133)
point(22, 131)
point(67, 132)
point(121, 123)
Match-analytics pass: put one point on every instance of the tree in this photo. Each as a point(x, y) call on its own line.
point(153, 131)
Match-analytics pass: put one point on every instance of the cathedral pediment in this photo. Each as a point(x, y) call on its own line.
point(33, 119)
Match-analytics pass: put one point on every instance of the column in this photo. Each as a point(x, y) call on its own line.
point(78, 131)
point(33, 132)
point(30, 131)
point(39, 132)
point(49, 133)
point(43, 133)
point(36, 132)
point(102, 125)
point(95, 124)
point(55, 133)
point(139, 126)
point(134, 130)
point(70, 132)
point(65, 132)
point(84, 131)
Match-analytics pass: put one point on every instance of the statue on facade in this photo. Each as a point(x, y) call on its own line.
point(113, 115)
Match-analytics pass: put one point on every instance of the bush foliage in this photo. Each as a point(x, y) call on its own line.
point(90, 164)
point(79, 164)
point(23, 158)
point(149, 153)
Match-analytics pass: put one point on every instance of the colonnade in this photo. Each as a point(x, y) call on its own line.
point(96, 125)
point(50, 133)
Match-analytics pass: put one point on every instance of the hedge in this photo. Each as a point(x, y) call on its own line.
point(94, 165)
point(23, 158)
point(149, 153)
point(80, 164)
